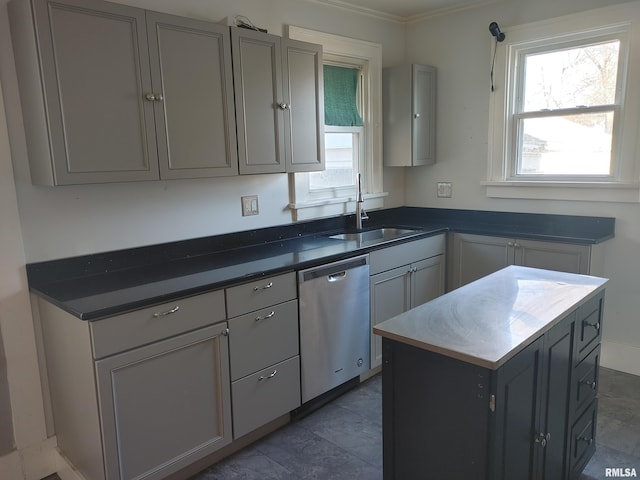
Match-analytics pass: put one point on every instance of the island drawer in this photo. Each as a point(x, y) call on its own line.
point(123, 332)
point(583, 438)
point(263, 337)
point(252, 296)
point(589, 326)
point(265, 396)
point(585, 386)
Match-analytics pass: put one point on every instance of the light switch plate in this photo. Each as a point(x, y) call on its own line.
point(445, 189)
point(250, 205)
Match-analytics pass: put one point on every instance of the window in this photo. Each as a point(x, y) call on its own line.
point(562, 122)
point(353, 99)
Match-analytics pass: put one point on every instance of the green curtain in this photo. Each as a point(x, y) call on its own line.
point(340, 96)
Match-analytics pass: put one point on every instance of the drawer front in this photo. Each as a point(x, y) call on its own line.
point(260, 294)
point(123, 332)
point(405, 253)
point(263, 337)
point(585, 386)
point(265, 396)
point(589, 326)
point(583, 439)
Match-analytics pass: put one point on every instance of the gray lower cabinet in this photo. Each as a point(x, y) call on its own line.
point(279, 103)
point(475, 256)
point(143, 394)
point(409, 107)
point(403, 277)
point(264, 346)
point(112, 93)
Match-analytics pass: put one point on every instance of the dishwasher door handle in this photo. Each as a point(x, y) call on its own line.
point(336, 277)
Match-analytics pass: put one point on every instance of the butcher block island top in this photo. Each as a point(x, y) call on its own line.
point(487, 322)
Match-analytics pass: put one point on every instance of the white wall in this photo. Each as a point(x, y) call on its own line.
point(459, 45)
point(66, 221)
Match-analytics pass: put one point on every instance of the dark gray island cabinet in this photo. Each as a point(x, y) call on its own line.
point(495, 380)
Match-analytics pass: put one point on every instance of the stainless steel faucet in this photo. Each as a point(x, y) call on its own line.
point(360, 213)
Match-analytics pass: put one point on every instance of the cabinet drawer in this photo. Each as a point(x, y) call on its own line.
point(260, 294)
point(405, 253)
point(589, 326)
point(122, 332)
point(585, 386)
point(263, 337)
point(265, 395)
point(583, 439)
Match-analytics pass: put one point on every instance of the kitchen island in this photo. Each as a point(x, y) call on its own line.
point(494, 380)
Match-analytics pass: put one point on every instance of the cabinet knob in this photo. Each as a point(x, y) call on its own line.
point(543, 439)
point(594, 325)
point(284, 106)
point(593, 384)
point(416, 115)
point(587, 440)
point(154, 97)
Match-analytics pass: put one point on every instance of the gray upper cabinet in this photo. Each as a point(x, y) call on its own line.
point(195, 117)
point(409, 115)
point(103, 101)
point(279, 103)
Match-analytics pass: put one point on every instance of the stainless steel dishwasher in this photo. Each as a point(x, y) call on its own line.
point(334, 324)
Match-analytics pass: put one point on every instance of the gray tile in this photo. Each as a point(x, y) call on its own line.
point(606, 457)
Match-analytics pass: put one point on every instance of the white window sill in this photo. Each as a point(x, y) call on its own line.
point(334, 206)
point(571, 191)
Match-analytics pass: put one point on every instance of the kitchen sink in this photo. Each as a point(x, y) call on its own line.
point(379, 235)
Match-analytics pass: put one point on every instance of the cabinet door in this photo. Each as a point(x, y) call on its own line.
point(424, 115)
point(165, 405)
point(553, 454)
point(390, 296)
point(304, 117)
point(517, 400)
point(475, 256)
point(561, 257)
point(95, 72)
point(427, 280)
point(195, 117)
point(257, 79)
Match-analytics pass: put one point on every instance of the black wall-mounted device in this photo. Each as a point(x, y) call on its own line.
point(495, 31)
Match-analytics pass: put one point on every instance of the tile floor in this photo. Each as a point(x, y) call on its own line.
point(343, 440)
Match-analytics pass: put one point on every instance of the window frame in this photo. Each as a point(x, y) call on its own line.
point(367, 56)
point(590, 27)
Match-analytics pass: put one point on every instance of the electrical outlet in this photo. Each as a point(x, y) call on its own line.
point(250, 205)
point(445, 189)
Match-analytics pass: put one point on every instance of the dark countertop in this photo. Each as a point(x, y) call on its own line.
point(105, 284)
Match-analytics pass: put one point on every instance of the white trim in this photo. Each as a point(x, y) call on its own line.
point(623, 185)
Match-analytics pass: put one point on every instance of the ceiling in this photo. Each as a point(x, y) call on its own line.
point(403, 9)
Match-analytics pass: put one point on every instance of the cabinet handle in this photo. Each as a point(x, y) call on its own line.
point(154, 97)
point(543, 439)
point(594, 325)
point(593, 384)
point(264, 287)
point(258, 318)
point(587, 440)
point(166, 312)
point(273, 374)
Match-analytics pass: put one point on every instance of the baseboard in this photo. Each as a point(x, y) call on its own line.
point(622, 357)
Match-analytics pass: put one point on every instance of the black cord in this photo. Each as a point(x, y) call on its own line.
point(493, 62)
